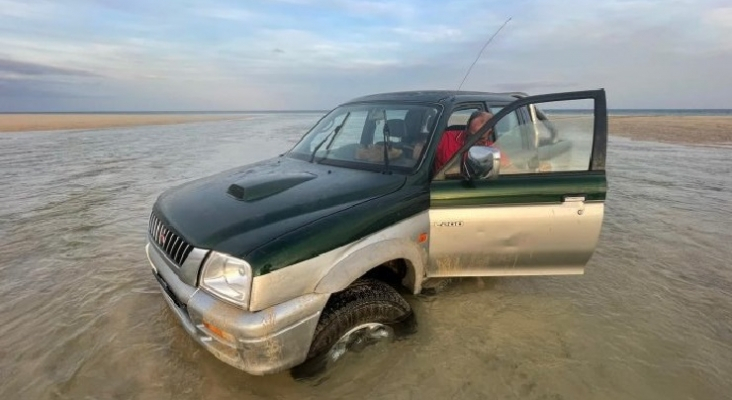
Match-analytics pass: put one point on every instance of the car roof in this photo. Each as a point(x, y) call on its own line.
point(438, 96)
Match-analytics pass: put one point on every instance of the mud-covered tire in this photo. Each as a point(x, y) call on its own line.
point(364, 301)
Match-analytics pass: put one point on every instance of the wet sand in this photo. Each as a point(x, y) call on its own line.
point(83, 317)
point(674, 129)
point(670, 129)
point(53, 122)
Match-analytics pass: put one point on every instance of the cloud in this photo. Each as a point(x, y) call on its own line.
point(226, 13)
point(313, 54)
point(24, 10)
point(301, 52)
point(12, 67)
point(26, 86)
point(433, 34)
point(719, 17)
point(362, 8)
point(394, 9)
point(716, 25)
point(533, 87)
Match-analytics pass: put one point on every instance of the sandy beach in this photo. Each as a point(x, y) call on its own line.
point(52, 122)
point(675, 129)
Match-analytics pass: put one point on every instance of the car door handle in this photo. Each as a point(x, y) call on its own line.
point(573, 198)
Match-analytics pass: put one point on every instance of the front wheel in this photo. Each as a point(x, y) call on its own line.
point(367, 312)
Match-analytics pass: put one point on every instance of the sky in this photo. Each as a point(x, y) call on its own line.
point(185, 55)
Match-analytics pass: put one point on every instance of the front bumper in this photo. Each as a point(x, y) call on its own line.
point(259, 343)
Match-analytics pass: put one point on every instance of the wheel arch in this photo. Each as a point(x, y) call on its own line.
point(378, 255)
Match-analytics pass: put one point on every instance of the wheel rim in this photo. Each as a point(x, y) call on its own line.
point(359, 338)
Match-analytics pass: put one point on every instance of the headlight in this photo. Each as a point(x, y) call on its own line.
point(228, 278)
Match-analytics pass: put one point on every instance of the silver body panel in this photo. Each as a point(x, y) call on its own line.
point(188, 272)
point(505, 240)
point(264, 342)
point(275, 333)
point(334, 270)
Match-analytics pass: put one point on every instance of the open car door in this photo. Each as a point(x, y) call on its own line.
point(537, 211)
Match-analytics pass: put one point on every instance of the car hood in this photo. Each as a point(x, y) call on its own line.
point(241, 209)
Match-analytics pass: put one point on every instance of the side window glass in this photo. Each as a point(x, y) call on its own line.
point(559, 139)
point(508, 130)
point(457, 122)
point(458, 119)
point(506, 124)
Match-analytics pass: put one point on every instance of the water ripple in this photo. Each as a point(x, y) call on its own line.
point(83, 317)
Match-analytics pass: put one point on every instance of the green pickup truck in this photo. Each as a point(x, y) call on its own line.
point(303, 257)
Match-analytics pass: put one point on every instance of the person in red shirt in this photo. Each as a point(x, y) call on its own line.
point(453, 140)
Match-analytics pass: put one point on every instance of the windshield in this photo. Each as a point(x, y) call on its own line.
point(370, 136)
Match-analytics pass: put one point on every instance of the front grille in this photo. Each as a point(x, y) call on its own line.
point(168, 292)
point(173, 245)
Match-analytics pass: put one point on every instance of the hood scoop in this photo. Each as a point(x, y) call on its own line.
point(258, 187)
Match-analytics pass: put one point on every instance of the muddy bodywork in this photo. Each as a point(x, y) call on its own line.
point(263, 342)
point(291, 201)
point(306, 228)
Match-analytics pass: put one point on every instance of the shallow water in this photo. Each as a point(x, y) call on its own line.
point(82, 317)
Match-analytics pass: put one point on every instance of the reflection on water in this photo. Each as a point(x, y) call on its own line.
point(82, 316)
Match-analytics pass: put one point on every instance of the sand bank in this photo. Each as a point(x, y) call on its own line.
point(675, 129)
point(50, 122)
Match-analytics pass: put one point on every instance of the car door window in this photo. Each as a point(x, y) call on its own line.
point(505, 125)
point(457, 121)
point(459, 118)
point(558, 140)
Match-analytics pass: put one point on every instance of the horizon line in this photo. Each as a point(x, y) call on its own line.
point(306, 111)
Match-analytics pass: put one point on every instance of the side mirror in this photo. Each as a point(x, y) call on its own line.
point(481, 162)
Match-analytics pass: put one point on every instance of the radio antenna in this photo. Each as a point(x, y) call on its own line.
point(481, 52)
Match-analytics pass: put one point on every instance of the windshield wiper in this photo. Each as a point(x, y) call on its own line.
point(333, 133)
point(387, 135)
